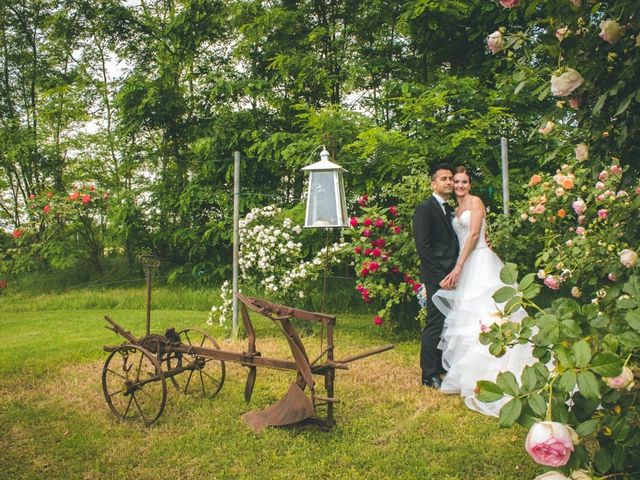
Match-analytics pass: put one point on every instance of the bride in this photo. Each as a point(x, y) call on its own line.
point(469, 306)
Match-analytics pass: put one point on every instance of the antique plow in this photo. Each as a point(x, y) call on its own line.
point(135, 374)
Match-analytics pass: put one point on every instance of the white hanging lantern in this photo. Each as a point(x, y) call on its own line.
point(326, 204)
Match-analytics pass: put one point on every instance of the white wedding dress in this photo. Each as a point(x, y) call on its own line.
point(465, 308)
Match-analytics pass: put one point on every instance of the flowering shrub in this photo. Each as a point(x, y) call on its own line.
point(62, 227)
point(580, 222)
point(273, 260)
point(579, 399)
point(383, 279)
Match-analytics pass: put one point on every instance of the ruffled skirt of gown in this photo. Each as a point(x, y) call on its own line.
point(465, 309)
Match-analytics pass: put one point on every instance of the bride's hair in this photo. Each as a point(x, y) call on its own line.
point(462, 169)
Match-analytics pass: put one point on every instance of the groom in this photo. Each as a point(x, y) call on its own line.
point(438, 248)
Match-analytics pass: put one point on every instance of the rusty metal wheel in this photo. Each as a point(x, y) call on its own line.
point(205, 375)
point(133, 384)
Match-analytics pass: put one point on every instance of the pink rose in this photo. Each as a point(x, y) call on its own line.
point(509, 3)
point(637, 190)
point(46, 209)
point(379, 223)
point(615, 169)
point(582, 152)
point(86, 199)
point(574, 102)
point(610, 31)
point(548, 128)
point(495, 42)
point(579, 206)
point(599, 185)
point(551, 443)
point(559, 192)
point(366, 232)
point(612, 277)
point(362, 201)
point(569, 243)
point(603, 213)
point(624, 380)
point(566, 82)
point(580, 230)
point(602, 175)
point(552, 282)
point(628, 258)
point(581, 219)
point(538, 209)
point(561, 32)
point(621, 193)
point(600, 197)
point(397, 229)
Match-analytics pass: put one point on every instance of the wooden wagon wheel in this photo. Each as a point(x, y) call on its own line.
point(133, 384)
point(205, 375)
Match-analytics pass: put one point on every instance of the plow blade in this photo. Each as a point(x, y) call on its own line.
point(294, 407)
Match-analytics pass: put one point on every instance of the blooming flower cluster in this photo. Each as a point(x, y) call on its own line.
point(376, 237)
point(272, 259)
point(589, 219)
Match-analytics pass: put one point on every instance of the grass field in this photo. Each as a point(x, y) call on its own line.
point(56, 425)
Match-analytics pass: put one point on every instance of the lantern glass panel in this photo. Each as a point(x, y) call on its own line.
point(322, 206)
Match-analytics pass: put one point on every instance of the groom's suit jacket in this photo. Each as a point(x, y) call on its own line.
point(436, 242)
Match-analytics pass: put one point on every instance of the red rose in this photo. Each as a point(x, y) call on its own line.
point(353, 221)
point(373, 266)
point(3, 284)
point(376, 252)
point(367, 222)
point(379, 223)
point(359, 287)
point(377, 320)
point(397, 229)
point(381, 242)
point(406, 278)
point(395, 269)
point(17, 233)
point(366, 232)
point(416, 287)
point(86, 199)
point(364, 272)
point(46, 209)
point(367, 251)
point(393, 210)
point(362, 201)
point(49, 194)
point(358, 249)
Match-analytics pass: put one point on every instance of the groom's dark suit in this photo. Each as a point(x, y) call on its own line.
point(437, 247)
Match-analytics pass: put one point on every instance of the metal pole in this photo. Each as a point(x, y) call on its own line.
point(236, 239)
point(505, 175)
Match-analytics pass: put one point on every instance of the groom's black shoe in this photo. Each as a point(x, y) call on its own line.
point(432, 382)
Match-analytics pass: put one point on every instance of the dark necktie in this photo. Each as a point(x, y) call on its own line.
point(448, 209)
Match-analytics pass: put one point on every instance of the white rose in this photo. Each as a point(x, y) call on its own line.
point(553, 475)
point(628, 258)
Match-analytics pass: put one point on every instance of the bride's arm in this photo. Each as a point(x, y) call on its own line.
point(477, 214)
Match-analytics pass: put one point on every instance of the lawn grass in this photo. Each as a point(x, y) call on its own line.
point(56, 425)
